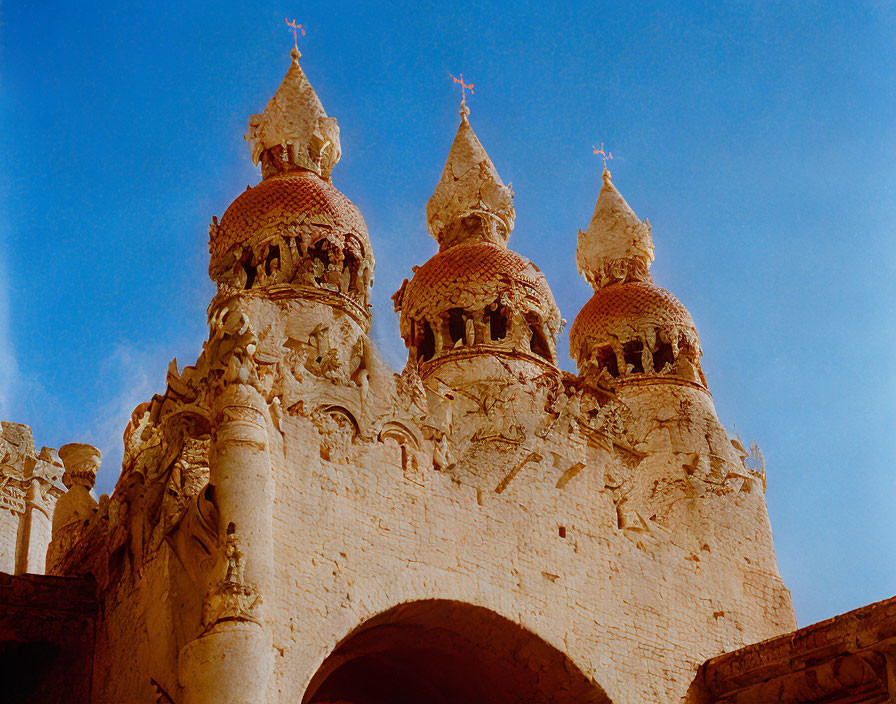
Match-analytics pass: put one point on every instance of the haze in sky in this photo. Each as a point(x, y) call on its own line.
point(758, 137)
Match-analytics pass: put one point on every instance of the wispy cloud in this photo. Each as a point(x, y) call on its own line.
point(135, 373)
point(9, 369)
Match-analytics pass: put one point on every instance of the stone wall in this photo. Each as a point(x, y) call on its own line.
point(634, 611)
point(30, 485)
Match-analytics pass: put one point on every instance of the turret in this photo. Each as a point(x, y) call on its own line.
point(476, 296)
point(638, 341)
point(295, 235)
point(631, 329)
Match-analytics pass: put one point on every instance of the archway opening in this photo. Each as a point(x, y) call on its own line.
point(447, 652)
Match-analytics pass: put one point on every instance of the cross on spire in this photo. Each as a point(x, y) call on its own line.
point(606, 155)
point(296, 28)
point(464, 110)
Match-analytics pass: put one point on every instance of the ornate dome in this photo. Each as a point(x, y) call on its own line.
point(278, 207)
point(473, 276)
point(478, 293)
point(636, 328)
point(619, 309)
point(294, 229)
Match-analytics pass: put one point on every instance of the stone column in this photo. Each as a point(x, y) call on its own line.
point(36, 528)
point(76, 508)
point(231, 662)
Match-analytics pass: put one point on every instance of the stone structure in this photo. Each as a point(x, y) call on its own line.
point(296, 522)
point(30, 486)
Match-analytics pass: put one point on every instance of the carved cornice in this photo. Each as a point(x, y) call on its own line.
point(658, 379)
point(848, 658)
point(296, 292)
point(463, 353)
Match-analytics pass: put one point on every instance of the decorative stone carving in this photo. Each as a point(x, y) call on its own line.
point(231, 599)
point(294, 129)
point(470, 195)
point(338, 431)
point(617, 246)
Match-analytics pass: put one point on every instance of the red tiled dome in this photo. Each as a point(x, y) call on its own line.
point(620, 310)
point(468, 276)
point(279, 202)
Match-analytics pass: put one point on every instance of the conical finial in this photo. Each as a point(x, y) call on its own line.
point(294, 130)
point(617, 246)
point(471, 201)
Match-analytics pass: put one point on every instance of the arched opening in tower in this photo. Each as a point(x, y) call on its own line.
point(631, 353)
point(447, 652)
point(662, 356)
point(427, 348)
point(606, 359)
point(497, 322)
point(456, 325)
point(538, 342)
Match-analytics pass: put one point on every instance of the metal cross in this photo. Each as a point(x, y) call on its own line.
point(296, 28)
point(606, 156)
point(463, 89)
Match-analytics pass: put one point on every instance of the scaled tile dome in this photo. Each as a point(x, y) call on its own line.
point(471, 276)
point(283, 205)
point(627, 311)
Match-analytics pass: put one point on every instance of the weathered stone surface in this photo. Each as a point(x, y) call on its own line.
point(296, 522)
point(848, 658)
point(30, 486)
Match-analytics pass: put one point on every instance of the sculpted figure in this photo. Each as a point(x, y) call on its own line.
point(646, 357)
point(240, 278)
point(315, 273)
point(333, 276)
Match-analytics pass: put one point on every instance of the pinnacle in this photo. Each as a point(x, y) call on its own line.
point(295, 124)
point(470, 186)
point(617, 245)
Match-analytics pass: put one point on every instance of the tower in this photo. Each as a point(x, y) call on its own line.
point(294, 521)
point(637, 341)
point(479, 320)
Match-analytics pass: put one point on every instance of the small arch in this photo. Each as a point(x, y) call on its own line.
point(606, 359)
point(497, 322)
point(441, 651)
point(273, 254)
point(456, 325)
point(342, 412)
point(662, 355)
point(631, 353)
point(427, 348)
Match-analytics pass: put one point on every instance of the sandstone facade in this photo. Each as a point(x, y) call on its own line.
point(30, 486)
point(297, 522)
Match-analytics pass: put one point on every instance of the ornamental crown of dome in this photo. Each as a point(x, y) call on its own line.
point(294, 129)
point(617, 246)
point(470, 202)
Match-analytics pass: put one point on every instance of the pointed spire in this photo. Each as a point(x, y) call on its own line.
point(294, 130)
point(617, 246)
point(471, 201)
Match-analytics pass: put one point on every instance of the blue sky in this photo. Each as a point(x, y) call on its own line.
point(759, 138)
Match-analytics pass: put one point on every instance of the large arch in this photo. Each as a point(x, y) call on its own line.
point(447, 652)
